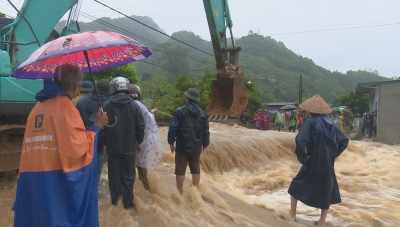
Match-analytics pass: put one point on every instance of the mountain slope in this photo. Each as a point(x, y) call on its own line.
point(270, 64)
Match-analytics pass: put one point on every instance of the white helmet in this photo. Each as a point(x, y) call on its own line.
point(135, 91)
point(119, 84)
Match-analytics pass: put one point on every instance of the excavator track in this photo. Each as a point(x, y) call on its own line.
point(11, 137)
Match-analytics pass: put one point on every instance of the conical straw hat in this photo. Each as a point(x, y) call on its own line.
point(316, 105)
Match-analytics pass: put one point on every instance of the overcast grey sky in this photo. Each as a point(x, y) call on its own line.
point(372, 48)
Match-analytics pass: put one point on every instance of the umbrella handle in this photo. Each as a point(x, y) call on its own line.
point(87, 61)
point(94, 82)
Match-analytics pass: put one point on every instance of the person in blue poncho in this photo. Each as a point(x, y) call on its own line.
point(318, 144)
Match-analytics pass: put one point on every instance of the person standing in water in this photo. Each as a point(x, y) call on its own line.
point(123, 136)
point(318, 145)
point(88, 105)
point(57, 172)
point(150, 152)
point(190, 130)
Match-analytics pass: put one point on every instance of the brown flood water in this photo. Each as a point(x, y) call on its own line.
point(368, 175)
point(244, 167)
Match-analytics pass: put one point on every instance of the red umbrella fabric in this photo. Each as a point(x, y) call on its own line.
point(90, 51)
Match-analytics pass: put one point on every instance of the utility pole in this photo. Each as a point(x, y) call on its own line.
point(301, 89)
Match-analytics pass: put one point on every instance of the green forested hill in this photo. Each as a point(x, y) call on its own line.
point(270, 64)
point(276, 70)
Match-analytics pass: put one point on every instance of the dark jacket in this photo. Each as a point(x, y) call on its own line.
point(126, 128)
point(318, 144)
point(189, 128)
point(88, 106)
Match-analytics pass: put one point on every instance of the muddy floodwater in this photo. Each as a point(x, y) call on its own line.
point(245, 178)
point(368, 175)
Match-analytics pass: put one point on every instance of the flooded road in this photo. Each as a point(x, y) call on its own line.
point(245, 178)
point(368, 175)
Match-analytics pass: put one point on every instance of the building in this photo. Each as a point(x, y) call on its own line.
point(385, 102)
point(276, 106)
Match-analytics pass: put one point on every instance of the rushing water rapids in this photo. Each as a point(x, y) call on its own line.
point(368, 175)
point(244, 167)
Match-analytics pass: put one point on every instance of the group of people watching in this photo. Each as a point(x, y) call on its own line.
point(368, 124)
point(290, 120)
point(65, 144)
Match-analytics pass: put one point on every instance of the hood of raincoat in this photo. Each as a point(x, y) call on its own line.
point(121, 99)
point(327, 127)
point(194, 109)
point(50, 90)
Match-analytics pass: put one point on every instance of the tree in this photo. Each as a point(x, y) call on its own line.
point(359, 103)
point(127, 70)
point(205, 87)
point(177, 59)
point(160, 94)
point(255, 100)
point(2, 14)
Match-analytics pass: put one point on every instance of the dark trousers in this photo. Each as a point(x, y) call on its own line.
point(121, 178)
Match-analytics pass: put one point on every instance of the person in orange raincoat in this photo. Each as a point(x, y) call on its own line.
point(57, 182)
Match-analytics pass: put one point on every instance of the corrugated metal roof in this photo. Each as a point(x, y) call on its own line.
point(366, 87)
point(279, 103)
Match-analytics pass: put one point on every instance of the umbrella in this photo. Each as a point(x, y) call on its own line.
point(90, 51)
point(339, 109)
point(289, 107)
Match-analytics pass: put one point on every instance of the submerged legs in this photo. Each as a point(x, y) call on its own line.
point(179, 183)
point(181, 179)
point(196, 179)
point(322, 219)
point(293, 208)
point(293, 212)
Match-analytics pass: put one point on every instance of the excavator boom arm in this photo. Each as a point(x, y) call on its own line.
point(219, 21)
point(33, 26)
point(229, 95)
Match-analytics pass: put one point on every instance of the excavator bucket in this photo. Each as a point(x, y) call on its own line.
point(229, 98)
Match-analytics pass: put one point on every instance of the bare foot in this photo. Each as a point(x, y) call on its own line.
point(320, 224)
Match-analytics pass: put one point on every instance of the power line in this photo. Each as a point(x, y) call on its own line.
point(353, 27)
point(114, 27)
point(156, 65)
point(124, 31)
point(153, 28)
